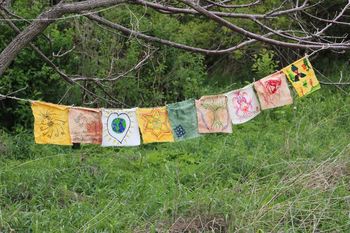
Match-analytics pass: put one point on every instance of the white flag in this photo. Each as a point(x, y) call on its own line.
point(120, 127)
point(243, 104)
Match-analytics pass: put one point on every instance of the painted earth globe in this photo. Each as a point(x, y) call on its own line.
point(118, 125)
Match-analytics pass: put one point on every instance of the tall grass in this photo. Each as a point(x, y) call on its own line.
point(284, 171)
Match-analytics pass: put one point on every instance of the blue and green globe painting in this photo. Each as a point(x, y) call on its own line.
point(118, 125)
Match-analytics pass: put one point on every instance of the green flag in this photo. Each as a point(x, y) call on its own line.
point(183, 119)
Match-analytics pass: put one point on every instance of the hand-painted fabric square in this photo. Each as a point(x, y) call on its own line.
point(154, 125)
point(51, 124)
point(243, 105)
point(273, 91)
point(183, 120)
point(120, 127)
point(212, 114)
point(302, 76)
point(85, 125)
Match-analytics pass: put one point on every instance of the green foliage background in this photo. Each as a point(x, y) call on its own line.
point(169, 76)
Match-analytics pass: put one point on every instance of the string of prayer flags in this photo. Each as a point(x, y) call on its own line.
point(302, 76)
point(243, 105)
point(120, 127)
point(183, 120)
point(212, 114)
point(154, 125)
point(85, 125)
point(51, 123)
point(63, 125)
point(273, 91)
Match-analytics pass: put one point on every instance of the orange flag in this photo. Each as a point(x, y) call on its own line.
point(154, 125)
point(85, 125)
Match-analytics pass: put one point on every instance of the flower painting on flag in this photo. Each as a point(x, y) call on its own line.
point(120, 127)
point(85, 125)
point(302, 76)
point(243, 104)
point(212, 114)
point(51, 123)
point(154, 125)
point(273, 91)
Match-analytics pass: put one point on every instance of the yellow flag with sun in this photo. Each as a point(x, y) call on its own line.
point(154, 124)
point(302, 76)
point(51, 123)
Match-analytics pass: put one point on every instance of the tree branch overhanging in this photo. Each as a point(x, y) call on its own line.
point(145, 37)
point(223, 11)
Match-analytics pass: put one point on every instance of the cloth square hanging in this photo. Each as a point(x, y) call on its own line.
point(302, 76)
point(212, 114)
point(183, 120)
point(243, 105)
point(120, 127)
point(273, 91)
point(154, 125)
point(85, 125)
point(51, 123)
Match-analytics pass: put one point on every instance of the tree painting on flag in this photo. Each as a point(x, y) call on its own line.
point(212, 114)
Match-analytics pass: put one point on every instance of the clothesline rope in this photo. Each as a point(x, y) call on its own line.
point(2, 97)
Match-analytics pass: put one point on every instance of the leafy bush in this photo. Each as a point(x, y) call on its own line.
point(264, 63)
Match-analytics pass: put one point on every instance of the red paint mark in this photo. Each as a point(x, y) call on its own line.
point(272, 85)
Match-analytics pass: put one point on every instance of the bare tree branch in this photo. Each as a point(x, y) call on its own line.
point(223, 10)
point(140, 35)
point(111, 79)
point(223, 5)
point(45, 19)
point(177, 10)
point(258, 37)
point(38, 51)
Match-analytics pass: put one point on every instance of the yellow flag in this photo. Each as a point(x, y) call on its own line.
point(154, 125)
point(302, 76)
point(51, 124)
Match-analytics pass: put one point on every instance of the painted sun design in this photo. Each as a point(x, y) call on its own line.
point(51, 125)
point(156, 123)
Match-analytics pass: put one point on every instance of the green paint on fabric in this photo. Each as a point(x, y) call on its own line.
point(183, 120)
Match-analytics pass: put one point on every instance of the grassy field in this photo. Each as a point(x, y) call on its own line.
point(285, 171)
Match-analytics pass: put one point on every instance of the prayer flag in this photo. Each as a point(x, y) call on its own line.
point(212, 114)
point(120, 127)
point(154, 125)
point(85, 125)
point(302, 76)
point(273, 91)
point(183, 119)
point(51, 123)
point(243, 105)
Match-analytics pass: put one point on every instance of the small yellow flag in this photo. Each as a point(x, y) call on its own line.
point(154, 125)
point(51, 124)
point(302, 76)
